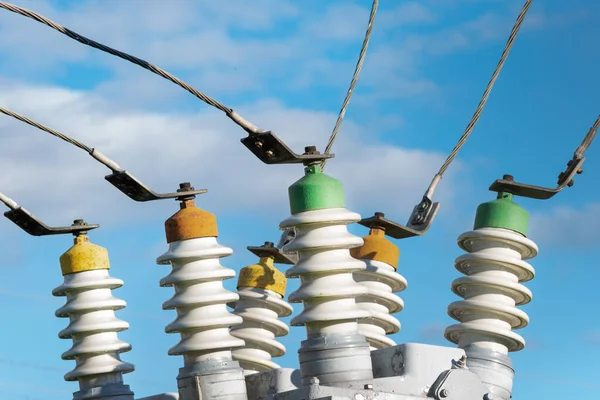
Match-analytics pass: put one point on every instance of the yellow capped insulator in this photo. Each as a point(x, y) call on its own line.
point(263, 275)
point(377, 247)
point(190, 222)
point(84, 256)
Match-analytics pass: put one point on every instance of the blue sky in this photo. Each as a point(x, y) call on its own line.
point(286, 68)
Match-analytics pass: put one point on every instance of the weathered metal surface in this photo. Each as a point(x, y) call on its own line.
point(269, 250)
point(269, 149)
point(507, 184)
point(418, 223)
point(33, 226)
point(136, 190)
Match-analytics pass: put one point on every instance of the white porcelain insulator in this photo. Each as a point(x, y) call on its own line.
point(382, 281)
point(260, 310)
point(327, 289)
point(93, 327)
point(491, 289)
point(200, 299)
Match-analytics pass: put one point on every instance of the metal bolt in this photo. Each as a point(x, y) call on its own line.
point(444, 393)
point(580, 171)
point(78, 222)
point(422, 205)
point(419, 218)
point(314, 380)
point(258, 144)
point(268, 244)
point(379, 214)
point(571, 183)
point(310, 149)
point(269, 153)
point(488, 396)
point(368, 386)
point(507, 177)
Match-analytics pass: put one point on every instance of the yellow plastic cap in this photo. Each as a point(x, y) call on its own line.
point(263, 275)
point(378, 248)
point(190, 222)
point(84, 256)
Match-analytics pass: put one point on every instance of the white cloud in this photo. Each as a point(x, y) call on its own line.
point(54, 179)
point(568, 227)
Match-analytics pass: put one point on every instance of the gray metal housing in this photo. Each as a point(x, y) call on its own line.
point(409, 371)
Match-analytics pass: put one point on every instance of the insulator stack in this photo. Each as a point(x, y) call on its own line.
point(382, 281)
point(334, 350)
point(93, 326)
point(203, 320)
point(492, 289)
point(261, 288)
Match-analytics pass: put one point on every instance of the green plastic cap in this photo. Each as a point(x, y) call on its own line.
point(502, 213)
point(315, 191)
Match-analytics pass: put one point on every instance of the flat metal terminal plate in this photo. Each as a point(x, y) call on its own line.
point(26, 221)
point(538, 192)
point(271, 150)
point(264, 251)
point(419, 221)
point(137, 191)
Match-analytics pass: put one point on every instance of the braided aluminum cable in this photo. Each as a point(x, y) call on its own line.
point(235, 117)
point(484, 98)
point(44, 128)
point(358, 68)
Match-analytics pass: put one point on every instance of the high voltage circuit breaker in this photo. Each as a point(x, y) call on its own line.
point(348, 285)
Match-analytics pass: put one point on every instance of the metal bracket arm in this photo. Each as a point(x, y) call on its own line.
point(136, 190)
point(272, 150)
point(419, 222)
point(131, 186)
point(269, 250)
point(33, 226)
point(508, 185)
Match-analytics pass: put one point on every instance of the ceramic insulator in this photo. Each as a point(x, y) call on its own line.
point(93, 328)
point(325, 267)
point(382, 281)
point(260, 310)
point(200, 299)
point(491, 289)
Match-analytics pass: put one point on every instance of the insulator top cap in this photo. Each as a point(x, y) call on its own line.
point(263, 275)
point(84, 256)
point(315, 191)
point(378, 248)
point(190, 222)
point(502, 213)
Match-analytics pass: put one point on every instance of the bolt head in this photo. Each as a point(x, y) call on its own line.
point(444, 393)
point(314, 380)
point(571, 183)
point(269, 153)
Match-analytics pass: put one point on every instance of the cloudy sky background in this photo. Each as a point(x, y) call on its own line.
point(286, 68)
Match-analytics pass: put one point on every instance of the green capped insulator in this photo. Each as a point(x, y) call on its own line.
point(315, 191)
point(502, 213)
